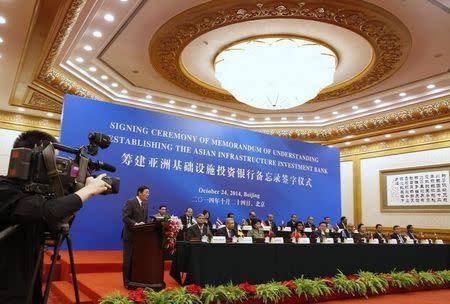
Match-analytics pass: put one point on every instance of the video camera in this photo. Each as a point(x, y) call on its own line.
point(42, 172)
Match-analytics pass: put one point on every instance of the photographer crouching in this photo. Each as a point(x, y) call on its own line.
point(24, 217)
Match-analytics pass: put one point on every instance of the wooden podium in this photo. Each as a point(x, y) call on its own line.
point(147, 267)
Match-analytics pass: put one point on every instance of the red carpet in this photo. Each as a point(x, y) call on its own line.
point(99, 273)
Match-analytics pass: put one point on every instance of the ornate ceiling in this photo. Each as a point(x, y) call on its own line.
point(158, 55)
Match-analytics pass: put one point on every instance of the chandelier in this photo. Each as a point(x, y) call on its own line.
point(275, 73)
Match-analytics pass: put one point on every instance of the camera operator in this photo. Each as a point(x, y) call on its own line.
point(34, 213)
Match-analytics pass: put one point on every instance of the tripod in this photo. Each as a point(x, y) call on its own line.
point(58, 238)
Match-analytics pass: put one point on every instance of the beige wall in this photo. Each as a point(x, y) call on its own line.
point(370, 189)
point(347, 190)
point(6, 143)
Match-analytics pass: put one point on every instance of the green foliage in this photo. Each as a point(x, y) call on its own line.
point(154, 297)
point(374, 283)
point(272, 292)
point(223, 293)
point(180, 296)
point(346, 286)
point(445, 275)
point(403, 279)
point(311, 288)
point(429, 278)
point(115, 298)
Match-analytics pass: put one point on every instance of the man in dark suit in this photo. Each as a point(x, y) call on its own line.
point(320, 234)
point(134, 213)
point(187, 220)
point(228, 231)
point(292, 222)
point(378, 234)
point(397, 236)
point(348, 232)
point(271, 223)
point(197, 231)
point(310, 223)
point(410, 233)
point(251, 219)
point(343, 223)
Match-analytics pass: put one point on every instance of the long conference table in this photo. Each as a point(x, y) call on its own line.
point(216, 264)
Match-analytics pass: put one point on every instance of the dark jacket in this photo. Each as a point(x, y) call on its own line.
point(194, 232)
point(133, 213)
point(19, 251)
point(224, 232)
point(272, 225)
point(380, 237)
point(291, 224)
point(400, 239)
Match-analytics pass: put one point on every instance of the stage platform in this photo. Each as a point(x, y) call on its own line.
point(98, 272)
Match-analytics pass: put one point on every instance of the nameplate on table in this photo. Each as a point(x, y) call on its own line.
point(409, 241)
point(424, 242)
point(286, 229)
point(392, 242)
point(303, 241)
point(266, 228)
point(307, 229)
point(245, 240)
point(374, 241)
point(246, 228)
point(218, 240)
point(439, 242)
point(328, 241)
point(277, 240)
point(349, 241)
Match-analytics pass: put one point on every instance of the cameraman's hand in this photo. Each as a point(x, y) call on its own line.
point(93, 187)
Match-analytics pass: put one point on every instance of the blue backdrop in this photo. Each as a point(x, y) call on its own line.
point(190, 163)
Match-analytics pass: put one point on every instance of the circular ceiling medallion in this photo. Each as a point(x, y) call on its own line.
point(379, 42)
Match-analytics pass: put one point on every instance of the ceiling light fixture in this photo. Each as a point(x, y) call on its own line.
point(335, 112)
point(283, 118)
point(431, 86)
point(50, 114)
point(104, 77)
point(124, 91)
point(316, 117)
point(251, 119)
point(330, 146)
point(87, 48)
point(388, 135)
point(21, 109)
point(366, 139)
point(92, 69)
point(1, 40)
point(411, 131)
point(294, 71)
point(355, 107)
point(438, 127)
point(193, 106)
point(233, 115)
point(348, 143)
point(300, 118)
point(349, 136)
point(402, 94)
point(267, 119)
point(2, 20)
point(114, 85)
point(97, 34)
point(108, 17)
point(214, 111)
point(148, 96)
point(79, 59)
point(377, 101)
point(172, 101)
